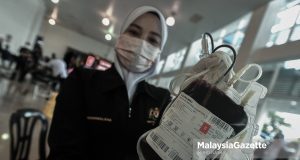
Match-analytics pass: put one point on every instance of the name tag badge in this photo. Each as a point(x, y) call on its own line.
point(104, 119)
point(153, 115)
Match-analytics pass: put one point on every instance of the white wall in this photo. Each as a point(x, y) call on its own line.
point(57, 39)
point(22, 19)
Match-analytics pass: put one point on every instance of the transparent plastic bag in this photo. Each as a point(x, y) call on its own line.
point(207, 108)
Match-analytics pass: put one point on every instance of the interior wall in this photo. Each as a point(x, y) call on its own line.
point(22, 19)
point(57, 39)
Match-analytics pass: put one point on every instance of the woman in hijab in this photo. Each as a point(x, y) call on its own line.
point(101, 114)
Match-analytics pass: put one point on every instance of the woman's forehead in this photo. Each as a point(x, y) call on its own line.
point(148, 21)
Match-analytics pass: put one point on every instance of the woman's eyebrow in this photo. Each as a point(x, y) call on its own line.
point(136, 26)
point(156, 34)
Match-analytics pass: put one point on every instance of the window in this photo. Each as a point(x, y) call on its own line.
point(286, 27)
point(174, 61)
point(292, 64)
point(293, 120)
point(282, 37)
point(296, 34)
point(234, 33)
point(194, 53)
point(287, 19)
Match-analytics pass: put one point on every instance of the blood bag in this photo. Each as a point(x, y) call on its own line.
point(207, 108)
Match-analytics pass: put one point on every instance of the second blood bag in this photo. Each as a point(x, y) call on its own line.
point(207, 108)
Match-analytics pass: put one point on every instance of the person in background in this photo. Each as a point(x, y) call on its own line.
point(37, 52)
point(53, 56)
point(6, 54)
point(101, 114)
point(1, 41)
point(28, 45)
point(71, 59)
point(24, 65)
point(59, 70)
point(1, 48)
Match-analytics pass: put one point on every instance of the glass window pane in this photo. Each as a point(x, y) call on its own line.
point(228, 39)
point(218, 42)
point(269, 44)
point(282, 37)
point(242, 24)
point(287, 19)
point(293, 120)
point(174, 61)
point(298, 19)
point(296, 34)
point(272, 39)
point(194, 53)
point(292, 64)
point(238, 38)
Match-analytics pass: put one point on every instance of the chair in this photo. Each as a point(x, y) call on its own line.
point(21, 127)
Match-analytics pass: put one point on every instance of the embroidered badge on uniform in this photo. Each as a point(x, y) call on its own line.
point(153, 115)
point(104, 119)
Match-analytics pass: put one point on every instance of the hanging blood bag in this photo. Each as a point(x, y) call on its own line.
point(207, 108)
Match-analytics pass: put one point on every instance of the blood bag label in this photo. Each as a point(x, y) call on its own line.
point(204, 128)
point(182, 123)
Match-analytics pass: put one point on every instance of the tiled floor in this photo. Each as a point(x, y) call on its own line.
point(12, 98)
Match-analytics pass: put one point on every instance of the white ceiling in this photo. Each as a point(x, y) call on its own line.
point(84, 16)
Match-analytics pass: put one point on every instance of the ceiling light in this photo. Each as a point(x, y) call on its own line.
point(52, 21)
point(293, 103)
point(4, 136)
point(108, 37)
point(170, 21)
point(105, 21)
point(55, 1)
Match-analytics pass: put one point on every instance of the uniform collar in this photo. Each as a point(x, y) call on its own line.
point(113, 78)
point(145, 88)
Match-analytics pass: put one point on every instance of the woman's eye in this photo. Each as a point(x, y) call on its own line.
point(153, 41)
point(133, 33)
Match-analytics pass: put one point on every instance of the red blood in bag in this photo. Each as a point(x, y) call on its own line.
point(217, 102)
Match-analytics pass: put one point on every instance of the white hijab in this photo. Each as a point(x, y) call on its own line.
point(132, 79)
